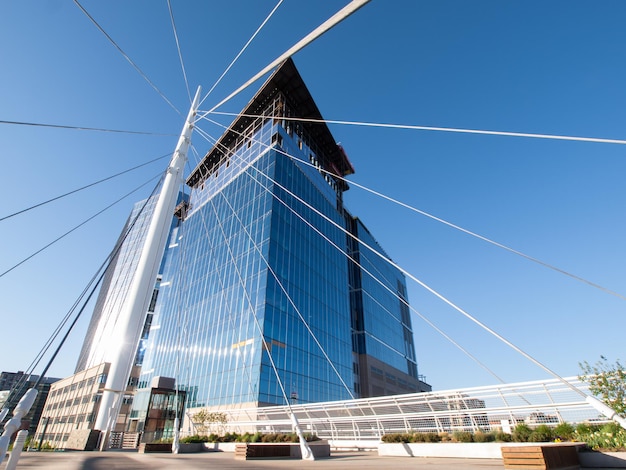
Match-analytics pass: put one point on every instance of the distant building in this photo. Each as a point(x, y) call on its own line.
point(269, 274)
point(4, 395)
point(13, 386)
point(73, 404)
point(103, 334)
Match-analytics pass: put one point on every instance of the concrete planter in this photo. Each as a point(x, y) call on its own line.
point(219, 446)
point(490, 450)
point(251, 450)
point(602, 459)
point(152, 447)
point(472, 450)
point(191, 448)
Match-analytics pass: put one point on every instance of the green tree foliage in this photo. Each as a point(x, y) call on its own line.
point(607, 382)
point(204, 420)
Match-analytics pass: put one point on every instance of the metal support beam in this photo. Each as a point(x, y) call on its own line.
point(134, 311)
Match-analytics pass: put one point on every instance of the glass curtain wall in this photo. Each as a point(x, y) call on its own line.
point(245, 272)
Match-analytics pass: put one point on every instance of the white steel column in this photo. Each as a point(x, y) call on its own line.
point(134, 310)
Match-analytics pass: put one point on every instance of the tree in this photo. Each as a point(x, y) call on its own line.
point(203, 420)
point(607, 382)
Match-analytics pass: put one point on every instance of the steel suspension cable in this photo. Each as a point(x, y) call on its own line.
point(251, 304)
point(395, 294)
point(82, 188)
point(338, 17)
point(466, 231)
point(365, 270)
point(180, 56)
point(76, 227)
point(450, 303)
point(90, 286)
point(241, 51)
point(266, 262)
point(437, 294)
point(439, 129)
point(130, 61)
point(221, 276)
point(289, 298)
point(82, 128)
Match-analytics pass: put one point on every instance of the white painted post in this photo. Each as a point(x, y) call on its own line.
point(140, 292)
point(18, 445)
point(305, 450)
point(606, 410)
point(176, 441)
point(22, 408)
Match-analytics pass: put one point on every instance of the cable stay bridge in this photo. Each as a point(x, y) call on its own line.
point(550, 401)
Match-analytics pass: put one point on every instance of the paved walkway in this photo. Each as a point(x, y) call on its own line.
point(134, 461)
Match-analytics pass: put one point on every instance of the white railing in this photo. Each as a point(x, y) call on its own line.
point(486, 408)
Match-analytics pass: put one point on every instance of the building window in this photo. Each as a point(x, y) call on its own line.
point(278, 139)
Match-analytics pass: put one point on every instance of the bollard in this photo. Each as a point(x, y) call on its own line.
point(14, 423)
point(18, 445)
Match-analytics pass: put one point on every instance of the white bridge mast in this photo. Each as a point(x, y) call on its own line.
point(134, 310)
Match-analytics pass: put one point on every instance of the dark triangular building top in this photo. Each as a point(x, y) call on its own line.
point(285, 79)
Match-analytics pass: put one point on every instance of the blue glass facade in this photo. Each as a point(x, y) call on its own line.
point(103, 330)
point(382, 332)
point(101, 334)
point(249, 267)
point(259, 302)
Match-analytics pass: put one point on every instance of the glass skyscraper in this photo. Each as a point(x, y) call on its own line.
point(270, 292)
point(103, 331)
point(101, 337)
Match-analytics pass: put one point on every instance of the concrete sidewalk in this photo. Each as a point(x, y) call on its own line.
point(134, 461)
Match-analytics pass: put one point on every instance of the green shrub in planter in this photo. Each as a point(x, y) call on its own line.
point(268, 437)
point(245, 437)
point(583, 429)
point(462, 436)
point(501, 436)
point(424, 437)
point(229, 437)
point(46, 446)
point(609, 437)
point(521, 433)
point(194, 439)
point(395, 438)
point(431, 437)
point(564, 431)
point(480, 436)
point(541, 433)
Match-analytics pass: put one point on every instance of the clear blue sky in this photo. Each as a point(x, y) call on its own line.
point(521, 66)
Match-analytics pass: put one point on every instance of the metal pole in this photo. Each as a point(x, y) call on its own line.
point(43, 433)
point(14, 423)
point(134, 310)
point(18, 446)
